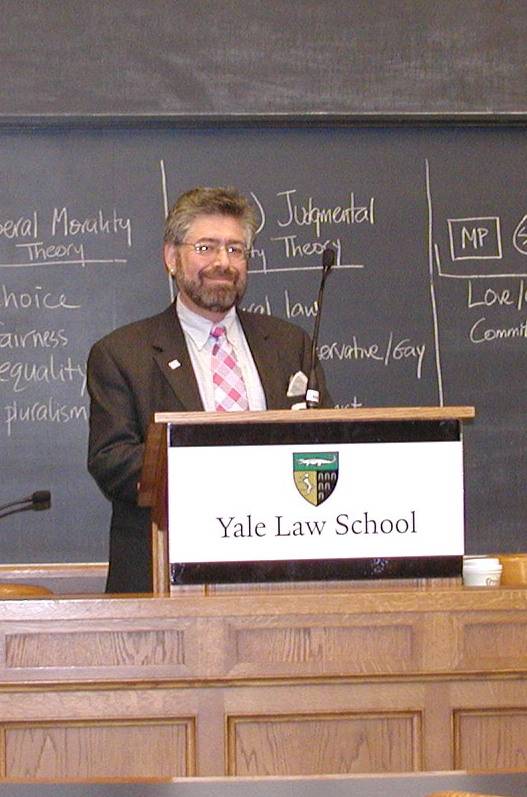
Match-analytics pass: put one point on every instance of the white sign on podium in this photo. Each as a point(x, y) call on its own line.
point(236, 503)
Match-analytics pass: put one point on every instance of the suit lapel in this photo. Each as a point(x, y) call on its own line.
point(169, 349)
point(172, 357)
point(265, 353)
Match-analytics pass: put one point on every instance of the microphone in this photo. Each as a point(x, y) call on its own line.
point(312, 392)
point(39, 500)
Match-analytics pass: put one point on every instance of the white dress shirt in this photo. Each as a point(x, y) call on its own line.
point(197, 329)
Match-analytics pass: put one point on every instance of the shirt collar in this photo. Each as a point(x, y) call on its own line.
point(199, 327)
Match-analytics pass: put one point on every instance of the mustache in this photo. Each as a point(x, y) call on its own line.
point(220, 271)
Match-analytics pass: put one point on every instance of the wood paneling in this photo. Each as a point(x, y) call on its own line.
point(95, 649)
point(368, 647)
point(500, 642)
point(491, 740)
point(302, 745)
point(300, 682)
point(58, 750)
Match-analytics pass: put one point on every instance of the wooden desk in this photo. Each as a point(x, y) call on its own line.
point(334, 679)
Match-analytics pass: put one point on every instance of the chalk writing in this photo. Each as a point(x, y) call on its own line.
point(259, 258)
point(298, 309)
point(487, 297)
point(294, 249)
point(263, 307)
point(392, 350)
point(21, 375)
point(33, 338)
point(314, 216)
point(34, 299)
point(519, 238)
point(39, 252)
point(23, 227)
point(98, 224)
point(477, 238)
point(38, 249)
point(42, 411)
point(481, 333)
point(352, 404)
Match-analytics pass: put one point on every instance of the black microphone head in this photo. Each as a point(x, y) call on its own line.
point(41, 499)
point(328, 258)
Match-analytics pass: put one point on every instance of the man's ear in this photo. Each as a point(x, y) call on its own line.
point(170, 255)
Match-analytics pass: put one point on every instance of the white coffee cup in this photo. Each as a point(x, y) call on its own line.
point(481, 571)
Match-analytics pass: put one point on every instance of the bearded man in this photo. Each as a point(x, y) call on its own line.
point(201, 353)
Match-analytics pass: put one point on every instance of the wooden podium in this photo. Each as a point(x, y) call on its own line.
point(401, 424)
point(339, 678)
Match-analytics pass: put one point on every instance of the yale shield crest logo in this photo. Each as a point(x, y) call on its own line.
point(316, 475)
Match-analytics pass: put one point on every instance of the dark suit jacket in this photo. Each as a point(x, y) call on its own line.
point(129, 378)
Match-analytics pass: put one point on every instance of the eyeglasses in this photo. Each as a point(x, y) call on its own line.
point(207, 250)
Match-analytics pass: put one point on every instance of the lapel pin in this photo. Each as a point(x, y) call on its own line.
point(174, 364)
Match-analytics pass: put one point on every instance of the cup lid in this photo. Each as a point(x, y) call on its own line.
point(481, 563)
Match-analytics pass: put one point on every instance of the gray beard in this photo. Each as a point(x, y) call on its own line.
point(219, 298)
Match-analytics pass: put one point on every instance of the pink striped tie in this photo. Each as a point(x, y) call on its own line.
point(229, 388)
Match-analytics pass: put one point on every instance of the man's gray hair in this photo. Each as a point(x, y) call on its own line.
point(209, 201)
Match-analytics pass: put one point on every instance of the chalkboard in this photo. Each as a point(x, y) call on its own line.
point(226, 58)
point(427, 303)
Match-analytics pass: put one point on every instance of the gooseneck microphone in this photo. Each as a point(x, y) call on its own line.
point(312, 391)
point(39, 500)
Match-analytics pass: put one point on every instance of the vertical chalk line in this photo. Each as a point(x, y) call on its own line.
point(165, 207)
point(432, 285)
